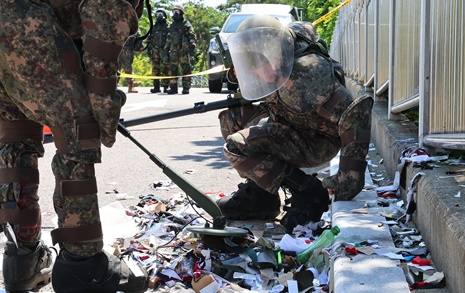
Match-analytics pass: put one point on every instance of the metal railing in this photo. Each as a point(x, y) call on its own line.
point(414, 51)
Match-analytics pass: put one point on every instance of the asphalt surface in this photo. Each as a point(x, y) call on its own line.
point(189, 145)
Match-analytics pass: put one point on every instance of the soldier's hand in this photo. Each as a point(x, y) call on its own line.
point(344, 185)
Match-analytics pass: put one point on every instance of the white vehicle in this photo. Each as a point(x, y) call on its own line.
point(285, 14)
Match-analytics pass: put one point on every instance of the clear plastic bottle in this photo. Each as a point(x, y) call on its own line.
point(326, 238)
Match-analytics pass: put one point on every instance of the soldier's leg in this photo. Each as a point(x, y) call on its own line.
point(165, 82)
point(250, 201)
point(125, 63)
point(271, 154)
point(186, 70)
point(57, 97)
point(174, 70)
point(156, 62)
point(27, 262)
point(131, 87)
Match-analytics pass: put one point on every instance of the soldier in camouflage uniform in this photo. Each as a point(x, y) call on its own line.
point(181, 47)
point(58, 65)
point(156, 51)
point(307, 116)
point(126, 58)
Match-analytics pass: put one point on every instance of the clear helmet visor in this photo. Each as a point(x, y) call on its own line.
point(263, 58)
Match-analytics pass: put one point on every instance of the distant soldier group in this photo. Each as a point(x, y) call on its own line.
point(169, 47)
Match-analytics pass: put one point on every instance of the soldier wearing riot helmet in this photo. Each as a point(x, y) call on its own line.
point(158, 55)
point(306, 117)
point(180, 45)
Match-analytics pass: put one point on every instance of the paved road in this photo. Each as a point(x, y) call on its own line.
point(190, 145)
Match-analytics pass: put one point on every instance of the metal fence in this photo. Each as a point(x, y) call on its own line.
point(414, 51)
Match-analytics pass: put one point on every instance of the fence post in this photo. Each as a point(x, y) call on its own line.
point(424, 72)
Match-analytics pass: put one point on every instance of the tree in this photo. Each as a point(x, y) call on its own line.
point(318, 8)
point(203, 18)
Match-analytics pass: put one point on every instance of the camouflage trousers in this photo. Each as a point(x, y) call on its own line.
point(41, 84)
point(259, 147)
point(125, 60)
point(160, 66)
point(180, 58)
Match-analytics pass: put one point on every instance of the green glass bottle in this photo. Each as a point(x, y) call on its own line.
point(326, 238)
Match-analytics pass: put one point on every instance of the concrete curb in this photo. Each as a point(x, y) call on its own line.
point(439, 216)
point(363, 273)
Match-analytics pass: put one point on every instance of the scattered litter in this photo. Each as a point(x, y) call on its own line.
point(359, 211)
point(392, 187)
point(457, 195)
point(121, 196)
point(163, 185)
point(153, 233)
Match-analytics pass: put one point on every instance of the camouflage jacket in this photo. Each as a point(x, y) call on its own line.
point(126, 57)
point(132, 44)
point(159, 35)
point(180, 34)
point(70, 17)
point(303, 101)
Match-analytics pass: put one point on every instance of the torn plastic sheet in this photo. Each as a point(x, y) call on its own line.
point(289, 243)
point(395, 185)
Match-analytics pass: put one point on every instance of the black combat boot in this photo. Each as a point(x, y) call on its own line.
point(185, 91)
point(156, 87)
point(309, 199)
point(102, 273)
point(250, 202)
point(25, 269)
point(165, 89)
point(173, 90)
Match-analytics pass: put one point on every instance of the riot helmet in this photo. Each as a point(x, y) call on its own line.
point(178, 6)
point(262, 51)
point(161, 14)
point(177, 12)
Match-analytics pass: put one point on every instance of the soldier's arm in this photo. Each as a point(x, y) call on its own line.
point(190, 35)
point(168, 41)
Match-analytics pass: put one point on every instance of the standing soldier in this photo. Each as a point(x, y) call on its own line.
point(126, 58)
point(44, 80)
point(180, 45)
point(156, 45)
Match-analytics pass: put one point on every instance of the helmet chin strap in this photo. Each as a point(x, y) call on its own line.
point(149, 12)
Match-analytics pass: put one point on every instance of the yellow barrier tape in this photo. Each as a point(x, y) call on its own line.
point(330, 13)
point(209, 71)
point(222, 68)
